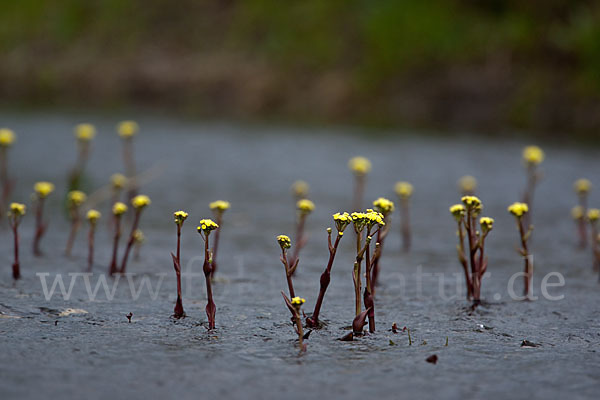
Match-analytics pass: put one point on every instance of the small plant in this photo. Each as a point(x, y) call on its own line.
point(300, 190)
point(385, 207)
point(341, 220)
point(218, 208)
point(84, 133)
point(180, 217)
point(92, 216)
point(127, 130)
point(285, 243)
point(117, 183)
point(582, 188)
point(41, 190)
point(118, 210)
point(404, 190)
point(295, 305)
point(75, 199)
point(467, 185)
point(15, 213)
point(138, 240)
point(519, 211)
point(466, 215)
point(303, 208)
point(7, 139)
point(532, 158)
point(592, 216)
point(139, 203)
point(204, 229)
point(360, 167)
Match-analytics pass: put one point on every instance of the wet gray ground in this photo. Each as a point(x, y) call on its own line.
point(96, 353)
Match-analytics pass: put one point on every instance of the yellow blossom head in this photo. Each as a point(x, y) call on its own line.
point(298, 301)
point(359, 165)
point(582, 186)
point(305, 206)
point(7, 137)
point(577, 212)
point(472, 204)
point(76, 198)
point(180, 216)
point(486, 223)
point(593, 214)
point(467, 184)
point(404, 190)
point(384, 206)
point(458, 211)
point(374, 218)
point(518, 209)
point(140, 201)
point(207, 226)
point(359, 219)
point(127, 129)
point(138, 236)
point(118, 181)
point(43, 189)
point(219, 206)
point(85, 132)
point(93, 216)
point(300, 189)
point(119, 208)
point(533, 155)
point(284, 241)
point(17, 210)
point(341, 221)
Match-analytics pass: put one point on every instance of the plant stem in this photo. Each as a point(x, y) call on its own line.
point(134, 226)
point(528, 267)
point(405, 215)
point(75, 222)
point(129, 167)
point(299, 239)
point(215, 247)
point(359, 189)
point(91, 247)
point(463, 260)
point(113, 264)
point(210, 306)
point(288, 273)
point(40, 227)
point(16, 268)
point(178, 310)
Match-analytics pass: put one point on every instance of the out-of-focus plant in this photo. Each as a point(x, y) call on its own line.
point(467, 185)
point(360, 167)
point(404, 190)
point(127, 130)
point(385, 207)
point(16, 211)
point(593, 215)
point(218, 208)
point(118, 210)
point(84, 133)
point(519, 211)
point(139, 203)
point(7, 139)
point(75, 199)
point(92, 216)
point(582, 188)
point(303, 208)
point(41, 190)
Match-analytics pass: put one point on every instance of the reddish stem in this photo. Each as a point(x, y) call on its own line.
point(40, 227)
point(210, 306)
point(75, 222)
point(405, 215)
point(131, 241)
point(113, 264)
point(324, 282)
point(16, 265)
point(91, 247)
point(215, 248)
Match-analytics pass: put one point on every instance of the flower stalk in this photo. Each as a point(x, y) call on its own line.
point(84, 133)
point(582, 188)
point(592, 216)
point(533, 156)
point(15, 213)
point(7, 139)
point(218, 208)
point(118, 210)
point(75, 199)
point(519, 211)
point(127, 130)
point(295, 305)
point(303, 208)
point(92, 216)
point(285, 243)
point(139, 203)
point(360, 167)
point(204, 229)
point(404, 190)
point(180, 217)
point(41, 191)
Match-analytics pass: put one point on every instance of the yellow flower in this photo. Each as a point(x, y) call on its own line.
point(298, 301)
point(577, 212)
point(207, 226)
point(359, 219)
point(17, 210)
point(118, 181)
point(219, 205)
point(404, 189)
point(180, 216)
point(76, 198)
point(384, 206)
point(85, 132)
point(582, 186)
point(300, 189)
point(140, 201)
point(284, 241)
point(518, 209)
point(486, 223)
point(43, 189)
point(305, 206)
point(458, 211)
point(93, 216)
point(533, 155)
point(359, 165)
point(138, 236)
point(467, 184)
point(593, 214)
point(374, 218)
point(7, 137)
point(341, 221)
point(119, 208)
point(127, 129)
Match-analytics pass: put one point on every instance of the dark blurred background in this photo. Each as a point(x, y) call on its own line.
point(489, 66)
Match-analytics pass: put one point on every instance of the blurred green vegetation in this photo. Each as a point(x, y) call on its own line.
point(491, 64)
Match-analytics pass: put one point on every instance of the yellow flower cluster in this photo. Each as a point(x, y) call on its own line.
point(138, 236)
point(298, 301)
point(472, 204)
point(577, 212)
point(93, 216)
point(207, 226)
point(17, 210)
point(342, 220)
point(219, 205)
point(118, 181)
point(305, 206)
point(518, 209)
point(85, 132)
point(7, 137)
point(300, 189)
point(140, 201)
point(533, 155)
point(486, 223)
point(458, 211)
point(359, 165)
point(119, 208)
point(180, 216)
point(582, 186)
point(404, 190)
point(467, 184)
point(43, 189)
point(127, 129)
point(384, 205)
point(76, 198)
point(284, 241)
point(593, 214)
